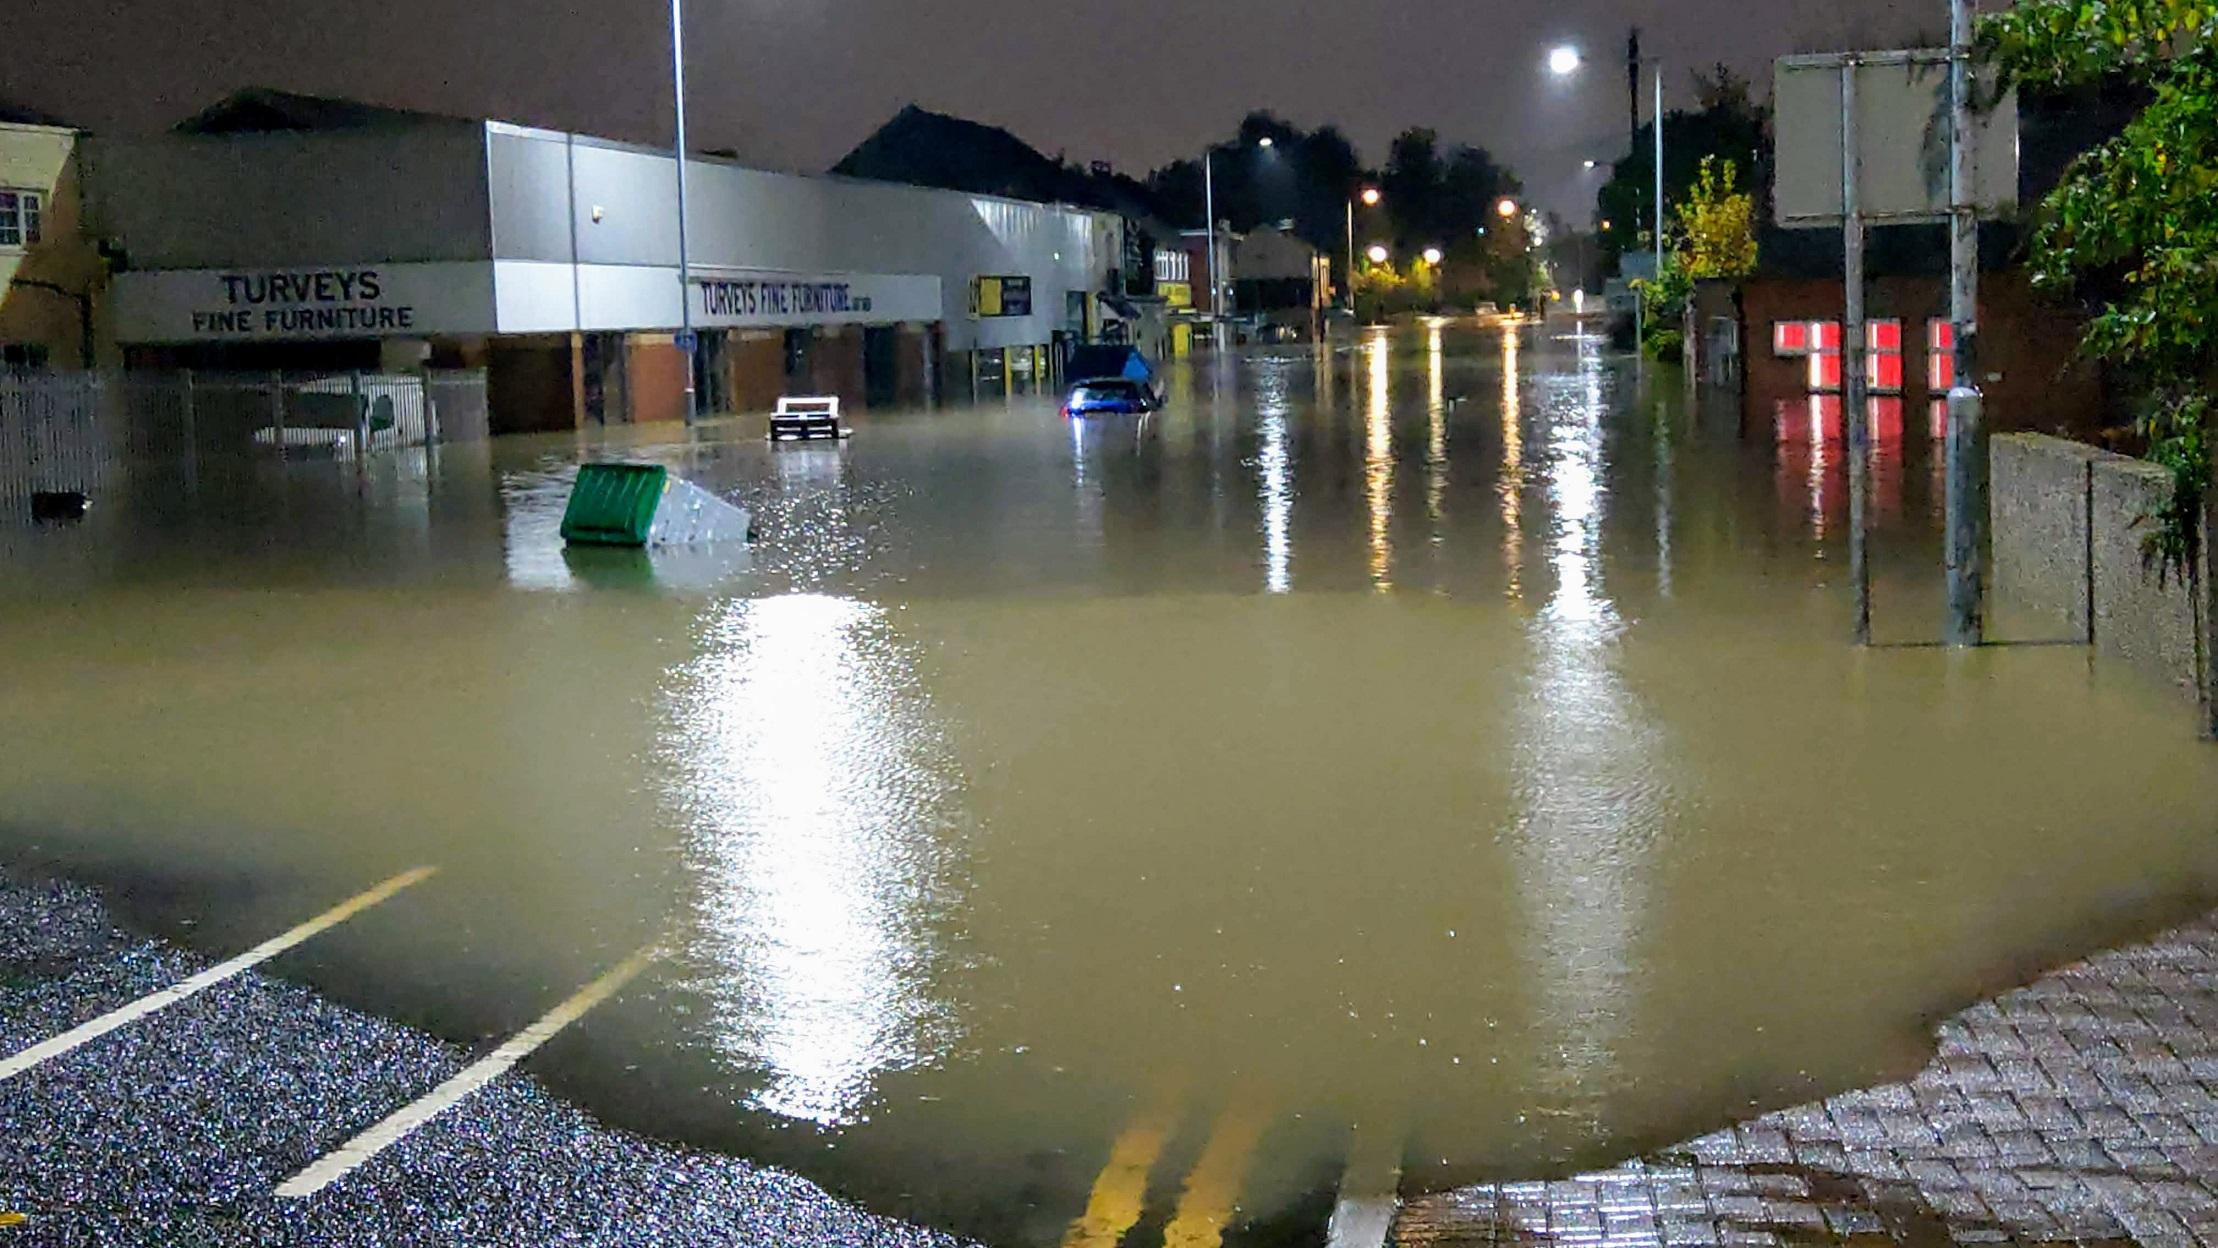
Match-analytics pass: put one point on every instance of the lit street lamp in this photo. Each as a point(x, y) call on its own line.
point(1565, 61)
point(1266, 141)
point(1433, 256)
point(1506, 209)
point(1378, 253)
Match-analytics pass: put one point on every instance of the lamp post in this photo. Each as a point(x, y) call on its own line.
point(1370, 197)
point(687, 344)
point(1565, 61)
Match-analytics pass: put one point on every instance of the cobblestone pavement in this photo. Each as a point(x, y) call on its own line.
point(2082, 1107)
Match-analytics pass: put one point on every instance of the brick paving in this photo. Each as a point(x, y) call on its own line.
point(2082, 1107)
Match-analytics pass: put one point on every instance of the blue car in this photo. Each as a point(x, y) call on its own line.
point(1112, 396)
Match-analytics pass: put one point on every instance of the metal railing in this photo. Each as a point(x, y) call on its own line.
point(86, 431)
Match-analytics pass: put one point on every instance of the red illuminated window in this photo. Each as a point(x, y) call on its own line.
point(1825, 357)
point(1940, 356)
point(1883, 356)
point(1790, 338)
point(1937, 419)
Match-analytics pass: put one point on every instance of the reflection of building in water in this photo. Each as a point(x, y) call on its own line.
point(1811, 453)
point(814, 787)
point(1585, 798)
point(1378, 463)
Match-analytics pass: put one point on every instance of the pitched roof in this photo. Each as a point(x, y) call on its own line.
point(262, 109)
point(925, 148)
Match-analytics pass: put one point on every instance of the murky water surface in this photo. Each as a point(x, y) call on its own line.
point(1448, 741)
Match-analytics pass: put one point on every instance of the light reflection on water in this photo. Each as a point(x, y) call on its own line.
point(1585, 814)
point(812, 785)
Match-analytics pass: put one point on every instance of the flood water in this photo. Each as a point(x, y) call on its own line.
point(1450, 743)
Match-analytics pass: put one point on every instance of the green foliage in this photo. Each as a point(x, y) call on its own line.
point(1666, 346)
point(2133, 228)
point(1664, 302)
point(1717, 223)
point(1383, 290)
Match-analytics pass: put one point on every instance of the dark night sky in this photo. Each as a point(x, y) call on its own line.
point(795, 83)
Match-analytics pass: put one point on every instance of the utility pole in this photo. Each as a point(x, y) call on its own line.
point(687, 343)
point(1853, 389)
point(1216, 293)
point(1632, 81)
point(1967, 447)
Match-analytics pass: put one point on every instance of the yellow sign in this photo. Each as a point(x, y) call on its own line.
point(1178, 294)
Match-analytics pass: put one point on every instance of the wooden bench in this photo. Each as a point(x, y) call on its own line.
point(805, 418)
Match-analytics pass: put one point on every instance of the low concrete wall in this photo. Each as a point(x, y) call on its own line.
point(2069, 523)
point(2039, 493)
point(2148, 624)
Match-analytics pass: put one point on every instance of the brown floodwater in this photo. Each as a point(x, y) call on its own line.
point(1450, 742)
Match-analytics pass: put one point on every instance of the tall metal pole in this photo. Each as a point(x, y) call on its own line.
point(1659, 172)
point(1216, 293)
point(685, 256)
point(1853, 389)
point(1967, 446)
point(1351, 253)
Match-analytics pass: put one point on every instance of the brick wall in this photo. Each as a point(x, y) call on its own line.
point(2030, 370)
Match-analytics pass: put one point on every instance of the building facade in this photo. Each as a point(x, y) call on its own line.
point(50, 272)
point(551, 260)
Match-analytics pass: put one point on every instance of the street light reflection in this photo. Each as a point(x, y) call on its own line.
point(1586, 794)
point(811, 779)
point(1436, 431)
point(1275, 485)
point(1511, 487)
point(1378, 465)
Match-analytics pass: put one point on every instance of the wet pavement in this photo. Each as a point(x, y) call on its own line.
point(2082, 1107)
point(1068, 832)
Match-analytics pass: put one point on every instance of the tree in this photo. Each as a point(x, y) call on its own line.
point(2133, 227)
point(1717, 224)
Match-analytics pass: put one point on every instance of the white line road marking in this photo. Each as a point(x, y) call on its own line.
point(86, 1032)
point(1369, 1191)
point(335, 1165)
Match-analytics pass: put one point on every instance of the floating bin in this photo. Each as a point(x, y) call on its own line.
point(643, 505)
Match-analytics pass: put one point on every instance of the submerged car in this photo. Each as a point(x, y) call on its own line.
point(1113, 396)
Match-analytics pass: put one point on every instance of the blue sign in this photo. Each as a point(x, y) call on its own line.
point(688, 341)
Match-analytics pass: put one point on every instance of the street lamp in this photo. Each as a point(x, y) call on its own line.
point(1506, 209)
point(1592, 163)
point(1266, 141)
point(1564, 61)
point(1378, 253)
point(1433, 256)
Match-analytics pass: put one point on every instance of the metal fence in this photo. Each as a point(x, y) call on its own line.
point(63, 431)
